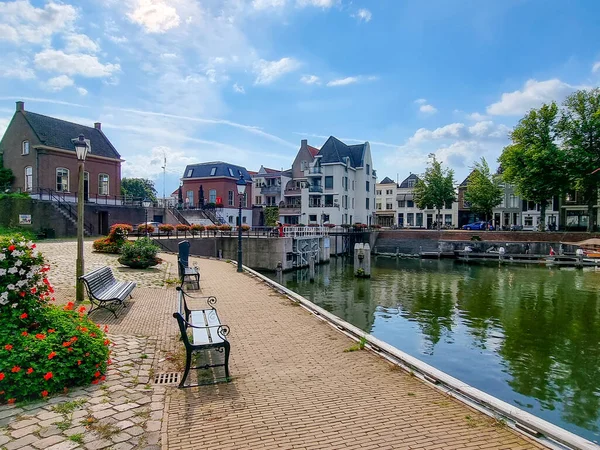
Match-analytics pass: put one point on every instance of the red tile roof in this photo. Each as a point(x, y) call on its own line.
point(313, 151)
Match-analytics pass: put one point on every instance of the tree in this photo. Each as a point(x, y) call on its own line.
point(534, 163)
point(580, 136)
point(138, 188)
point(6, 177)
point(484, 191)
point(435, 188)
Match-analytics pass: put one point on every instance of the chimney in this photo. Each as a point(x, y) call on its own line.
point(98, 126)
point(304, 144)
point(21, 106)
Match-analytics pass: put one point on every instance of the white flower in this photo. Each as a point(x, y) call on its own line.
point(12, 270)
point(19, 263)
point(21, 272)
point(14, 305)
point(2, 272)
point(21, 283)
point(2, 256)
point(10, 287)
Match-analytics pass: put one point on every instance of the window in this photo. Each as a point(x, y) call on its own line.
point(419, 217)
point(368, 170)
point(213, 171)
point(401, 219)
point(401, 203)
point(448, 219)
point(345, 183)
point(62, 179)
point(230, 219)
point(28, 178)
point(190, 198)
point(102, 184)
point(312, 218)
point(377, 205)
point(245, 200)
point(388, 192)
point(352, 184)
point(243, 219)
point(328, 201)
point(367, 186)
point(411, 183)
point(389, 205)
point(352, 202)
point(258, 200)
point(367, 203)
point(410, 204)
point(410, 218)
point(528, 221)
point(328, 182)
point(378, 192)
point(212, 196)
point(230, 197)
point(25, 148)
point(325, 218)
point(189, 173)
point(231, 172)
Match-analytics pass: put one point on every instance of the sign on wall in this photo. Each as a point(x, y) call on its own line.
point(24, 219)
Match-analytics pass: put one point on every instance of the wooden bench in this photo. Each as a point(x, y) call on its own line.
point(201, 329)
point(190, 274)
point(104, 290)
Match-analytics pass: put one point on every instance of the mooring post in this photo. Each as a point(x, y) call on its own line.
point(579, 253)
point(311, 268)
point(279, 272)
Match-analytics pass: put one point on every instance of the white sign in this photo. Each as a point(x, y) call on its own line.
point(24, 219)
point(326, 242)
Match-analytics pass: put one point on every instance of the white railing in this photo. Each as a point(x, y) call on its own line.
point(305, 231)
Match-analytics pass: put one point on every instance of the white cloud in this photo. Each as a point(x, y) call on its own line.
point(364, 15)
point(596, 67)
point(459, 154)
point(80, 43)
point(264, 4)
point(59, 83)
point(533, 94)
point(310, 79)
point(420, 101)
point(343, 81)
point(155, 16)
point(269, 71)
point(16, 67)
point(317, 3)
point(82, 91)
point(74, 64)
point(3, 126)
point(21, 22)
point(239, 89)
point(477, 116)
point(428, 109)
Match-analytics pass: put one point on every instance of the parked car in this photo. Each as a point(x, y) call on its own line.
point(480, 225)
point(516, 228)
point(154, 224)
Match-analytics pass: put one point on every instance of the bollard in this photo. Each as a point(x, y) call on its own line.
point(279, 272)
point(579, 253)
point(220, 254)
point(311, 269)
point(501, 252)
point(397, 252)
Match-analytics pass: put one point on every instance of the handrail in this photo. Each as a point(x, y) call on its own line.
point(61, 200)
point(179, 216)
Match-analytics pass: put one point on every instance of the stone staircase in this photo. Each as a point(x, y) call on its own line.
point(71, 217)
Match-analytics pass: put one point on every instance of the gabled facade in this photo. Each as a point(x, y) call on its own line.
point(269, 185)
point(218, 181)
point(290, 208)
point(385, 203)
point(340, 185)
point(410, 216)
point(39, 150)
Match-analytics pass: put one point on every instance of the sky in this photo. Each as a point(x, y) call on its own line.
point(244, 81)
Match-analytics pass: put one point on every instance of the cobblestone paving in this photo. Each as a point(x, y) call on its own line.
point(123, 413)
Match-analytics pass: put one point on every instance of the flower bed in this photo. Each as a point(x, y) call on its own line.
point(196, 229)
point(140, 254)
point(44, 349)
point(115, 240)
point(166, 228)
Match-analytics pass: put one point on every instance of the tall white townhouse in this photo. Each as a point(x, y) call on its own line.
point(385, 202)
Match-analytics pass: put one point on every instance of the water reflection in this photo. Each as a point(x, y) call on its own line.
point(528, 335)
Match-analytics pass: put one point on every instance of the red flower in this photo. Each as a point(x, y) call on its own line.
point(106, 328)
point(74, 338)
point(8, 347)
point(24, 315)
point(95, 381)
point(22, 294)
point(79, 362)
point(51, 330)
point(48, 376)
point(11, 248)
point(81, 309)
point(11, 401)
point(93, 334)
point(44, 393)
point(87, 354)
point(69, 306)
point(66, 344)
point(51, 289)
point(1, 376)
point(84, 329)
point(33, 246)
point(33, 290)
point(70, 349)
point(45, 280)
point(51, 355)
point(30, 370)
point(40, 336)
point(24, 333)
point(15, 369)
point(106, 342)
point(109, 362)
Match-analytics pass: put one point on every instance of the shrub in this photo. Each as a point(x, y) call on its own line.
point(225, 227)
point(211, 227)
point(246, 227)
point(140, 254)
point(196, 228)
point(115, 240)
point(142, 228)
point(120, 231)
point(44, 349)
point(166, 228)
point(106, 245)
point(182, 227)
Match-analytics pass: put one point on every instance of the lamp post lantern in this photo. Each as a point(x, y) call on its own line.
point(146, 204)
point(81, 149)
point(241, 189)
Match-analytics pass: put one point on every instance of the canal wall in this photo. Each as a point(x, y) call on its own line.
point(409, 242)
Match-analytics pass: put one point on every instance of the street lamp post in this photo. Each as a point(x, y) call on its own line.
point(81, 149)
point(241, 189)
point(146, 204)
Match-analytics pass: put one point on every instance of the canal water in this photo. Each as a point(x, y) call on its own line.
point(528, 335)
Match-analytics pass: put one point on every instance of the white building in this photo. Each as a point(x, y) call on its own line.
point(385, 203)
point(339, 186)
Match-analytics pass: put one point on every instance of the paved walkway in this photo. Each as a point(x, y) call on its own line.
point(293, 385)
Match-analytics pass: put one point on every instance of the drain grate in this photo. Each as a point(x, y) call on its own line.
point(167, 378)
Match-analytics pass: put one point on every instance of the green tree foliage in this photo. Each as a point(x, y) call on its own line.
point(534, 163)
point(484, 191)
point(7, 177)
point(435, 188)
point(138, 188)
point(271, 215)
point(580, 135)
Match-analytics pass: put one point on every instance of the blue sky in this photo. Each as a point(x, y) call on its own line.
point(245, 80)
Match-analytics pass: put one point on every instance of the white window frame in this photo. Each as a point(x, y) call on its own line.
point(68, 172)
point(211, 198)
point(213, 171)
point(100, 182)
point(28, 179)
point(230, 198)
point(25, 145)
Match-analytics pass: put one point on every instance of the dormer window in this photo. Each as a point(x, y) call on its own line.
point(213, 171)
point(189, 173)
point(230, 172)
point(25, 148)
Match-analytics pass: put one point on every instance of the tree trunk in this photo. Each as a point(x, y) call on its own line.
point(439, 225)
point(590, 207)
point(542, 226)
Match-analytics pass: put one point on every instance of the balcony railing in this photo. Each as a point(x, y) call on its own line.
point(272, 189)
point(315, 170)
point(315, 188)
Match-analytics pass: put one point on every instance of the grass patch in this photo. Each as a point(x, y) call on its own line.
point(77, 437)
point(411, 394)
point(64, 424)
point(104, 430)
point(144, 414)
point(143, 356)
point(27, 233)
point(68, 407)
point(358, 346)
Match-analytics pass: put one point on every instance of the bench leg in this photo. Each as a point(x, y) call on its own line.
point(188, 363)
point(227, 349)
